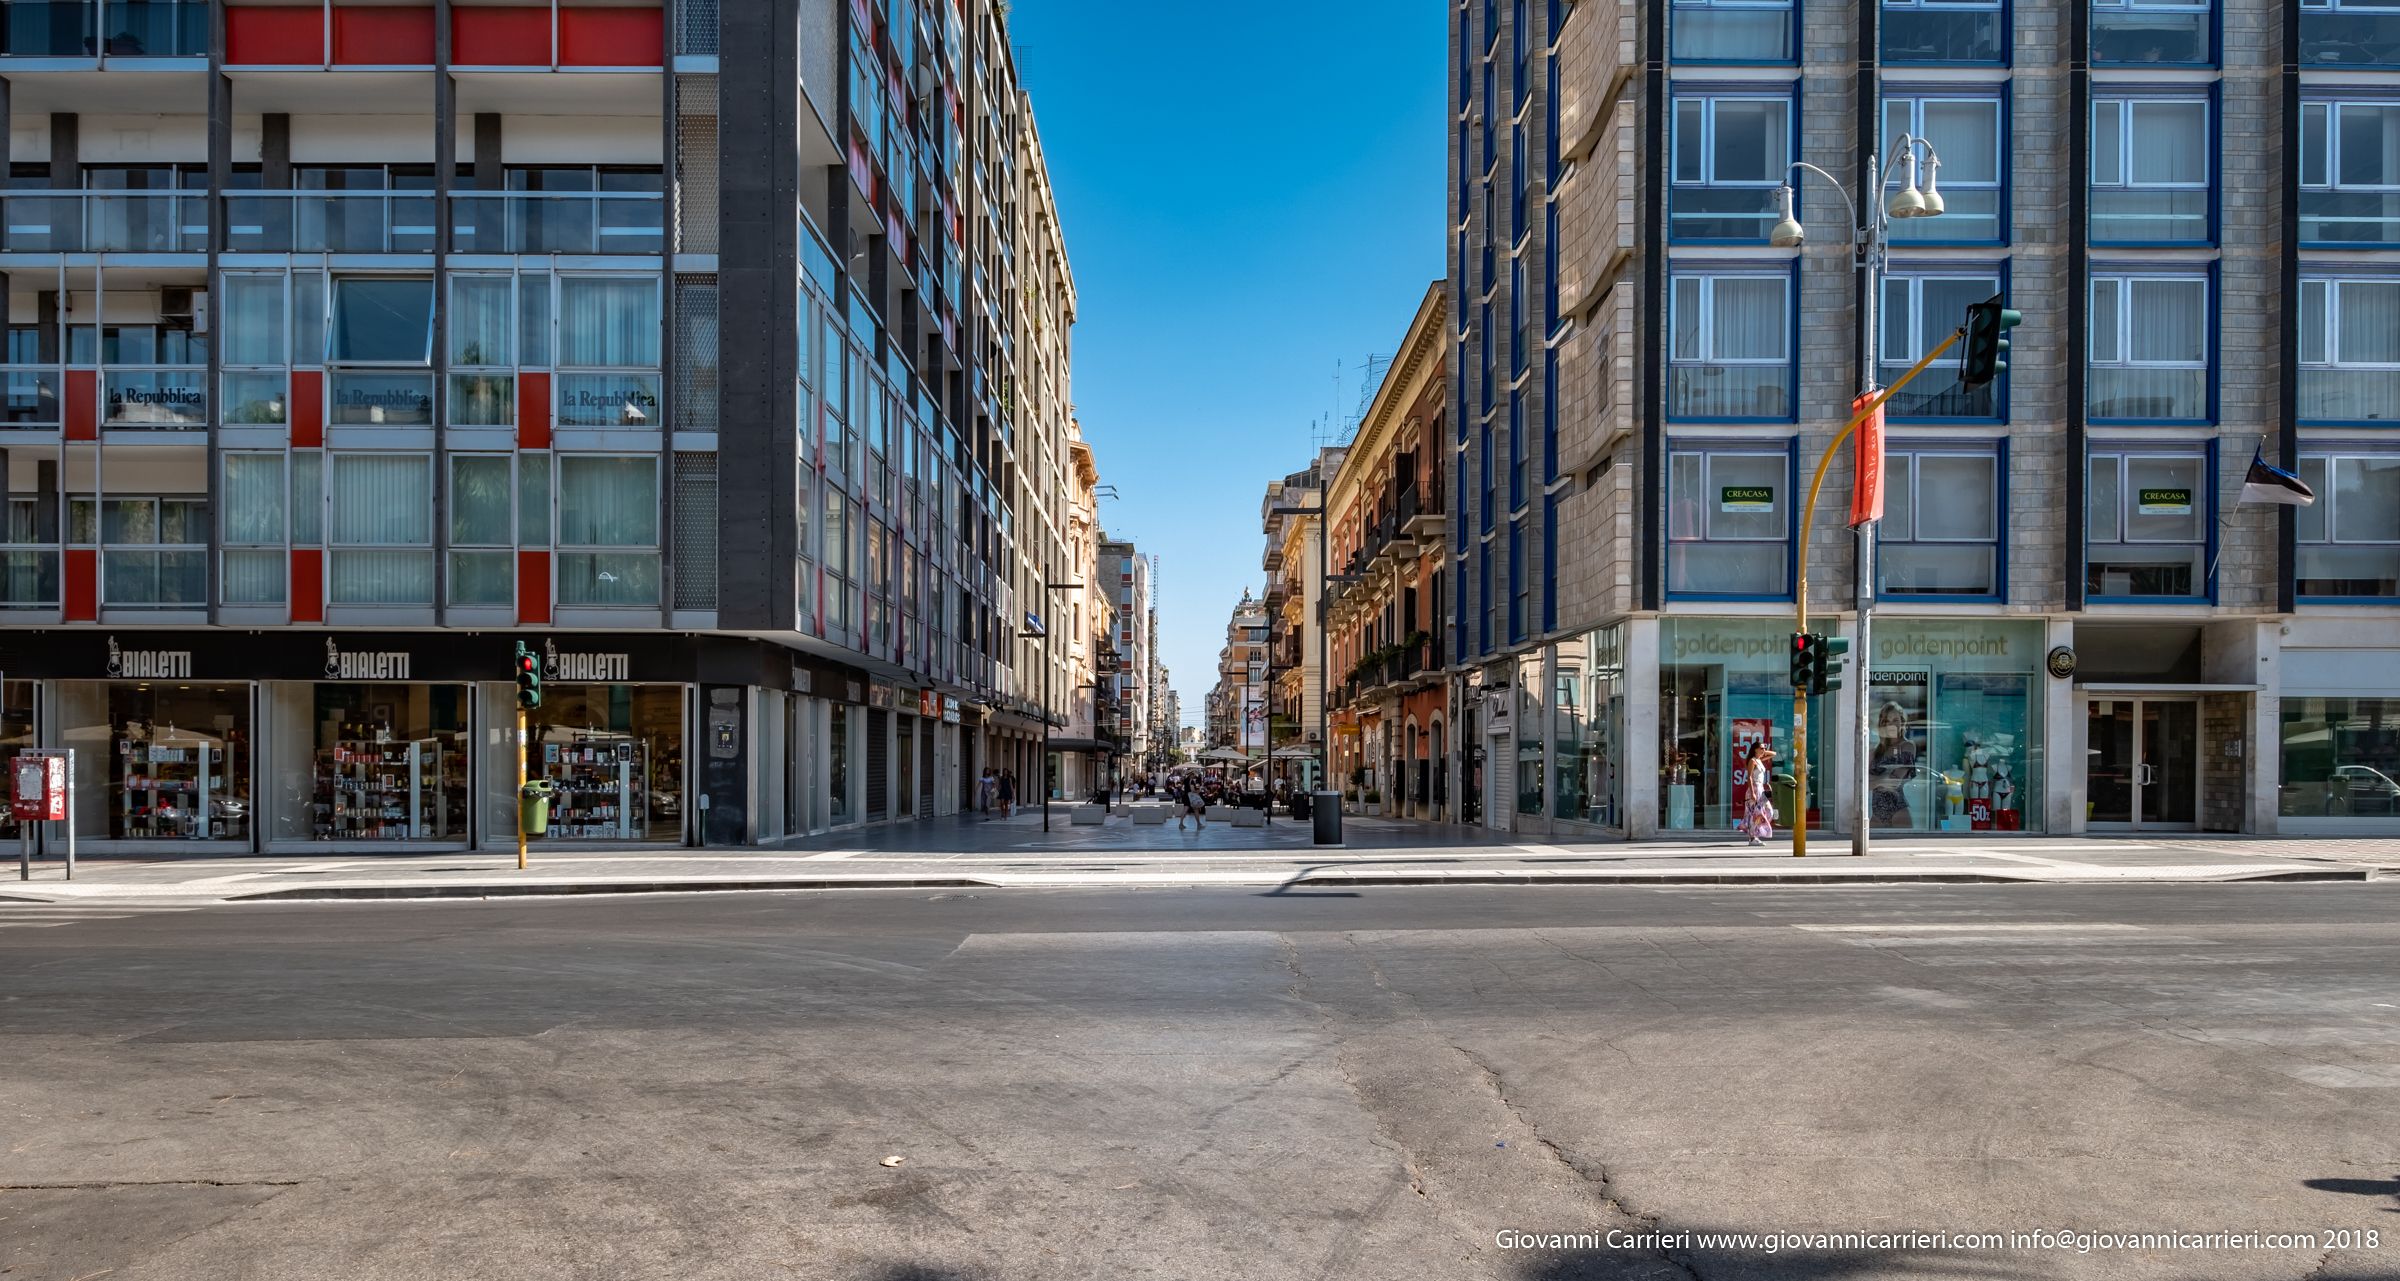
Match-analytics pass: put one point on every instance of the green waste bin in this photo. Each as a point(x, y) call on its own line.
point(533, 806)
point(1785, 788)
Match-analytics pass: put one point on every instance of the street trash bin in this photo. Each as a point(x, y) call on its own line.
point(1325, 810)
point(1299, 804)
point(1784, 787)
point(533, 806)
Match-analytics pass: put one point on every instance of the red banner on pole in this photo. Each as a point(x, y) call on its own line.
point(1866, 492)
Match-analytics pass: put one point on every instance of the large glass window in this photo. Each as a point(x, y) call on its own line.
point(382, 320)
point(1729, 522)
point(252, 529)
point(1940, 533)
point(2151, 171)
point(380, 527)
point(253, 350)
point(2350, 537)
point(153, 551)
point(2349, 349)
point(1731, 31)
point(1966, 134)
point(482, 327)
point(1957, 713)
point(607, 530)
point(2149, 348)
point(2341, 758)
point(482, 524)
point(1724, 684)
point(608, 323)
point(2350, 173)
point(1945, 31)
point(1730, 348)
point(2147, 525)
point(360, 761)
point(1730, 154)
point(2349, 33)
point(158, 761)
point(1918, 312)
point(615, 753)
point(2150, 33)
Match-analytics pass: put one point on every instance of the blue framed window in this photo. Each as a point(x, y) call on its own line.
point(1483, 598)
point(1519, 351)
point(2350, 537)
point(1730, 519)
point(1491, 491)
point(1733, 32)
point(2153, 168)
point(2349, 33)
point(1921, 305)
point(1490, 340)
point(1491, 31)
point(1730, 348)
point(2350, 349)
point(1491, 117)
point(1944, 507)
point(1550, 558)
point(1945, 33)
point(1521, 80)
point(2350, 172)
point(1549, 422)
point(2154, 33)
point(1968, 128)
point(1458, 612)
point(1517, 581)
point(1491, 233)
point(1520, 179)
point(1516, 452)
point(2151, 343)
point(1731, 150)
point(2150, 522)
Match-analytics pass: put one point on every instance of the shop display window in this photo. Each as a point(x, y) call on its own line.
point(362, 762)
point(16, 733)
point(1957, 716)
point(2341, 757)
point(615, 753)
point(158, 762)
point(1724, 684)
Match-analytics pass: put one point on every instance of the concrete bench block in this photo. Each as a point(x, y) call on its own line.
point(1090, 816)
point(1150, 815)
point(1249, 818)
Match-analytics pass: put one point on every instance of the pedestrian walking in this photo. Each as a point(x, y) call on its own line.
point(1008, 792)
point(1758, 795)
point(986, 791)
point(1195, 807)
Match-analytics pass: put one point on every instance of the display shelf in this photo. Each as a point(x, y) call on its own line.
point(601, 779)
point(368, 790)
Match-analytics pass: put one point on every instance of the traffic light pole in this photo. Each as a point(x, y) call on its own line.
point(521, 773)
point(1808, 517)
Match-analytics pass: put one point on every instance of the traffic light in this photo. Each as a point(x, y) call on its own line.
point(1829, 663)
point(529, 678)
point(1805, 658)
point(1986, 357)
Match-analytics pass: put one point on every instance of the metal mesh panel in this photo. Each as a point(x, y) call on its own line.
point(879, 804)
point(696, 164)
point(696, 27)
point(695, 531)
point(695, 353)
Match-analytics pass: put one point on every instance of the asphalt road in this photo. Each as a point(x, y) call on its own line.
point(1204, 1084)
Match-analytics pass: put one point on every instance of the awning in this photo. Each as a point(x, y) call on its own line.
point(1058, 744)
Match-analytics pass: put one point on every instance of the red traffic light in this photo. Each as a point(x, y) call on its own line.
point(525, 663)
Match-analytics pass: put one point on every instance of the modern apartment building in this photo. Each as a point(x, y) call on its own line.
point(716, 351)
point(2078, 625)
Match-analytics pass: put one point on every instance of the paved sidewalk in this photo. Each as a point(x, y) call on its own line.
point(973, 853)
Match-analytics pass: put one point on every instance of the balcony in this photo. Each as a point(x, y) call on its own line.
point(28, 577)
point(2155, 35)
point(329, 221)
point(105, 222)
point(578, 222)
point(80, 29)
point(2330, 217)
point(1944, 34)
point(2334, 35)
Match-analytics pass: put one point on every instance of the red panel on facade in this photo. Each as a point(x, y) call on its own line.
point(83, 404)
point(308, 408)
point(274, 36)
point(308, 585)
point(610, 38)
point(82, 587)
point(514, 36)
point(533, 411)
point(533, 587)
point(380, 36)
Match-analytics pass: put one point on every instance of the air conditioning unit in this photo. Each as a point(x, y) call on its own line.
point(183, 307)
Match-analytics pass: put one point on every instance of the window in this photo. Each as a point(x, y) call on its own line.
point(2154, 33)
point(1729, 522)
point(2349, 33)
point(252, 501)
point(1945, 31)
point(379, 517)
point(482, 327)
point(607, 530)
point(1731, 31)
point(153, 551)
point(2149, 348)
point(482, 527)
point(253, 349)
point(382, 322)
point(2151, 166)
point(1918, 312)
point(1966, 135)
point(2149, 513)
point(1730, 154)
point(1730, 346)
point(608, 323)
point(2350, 173)
point(2349, 350)
point(2350, 537)
point(1940, 533)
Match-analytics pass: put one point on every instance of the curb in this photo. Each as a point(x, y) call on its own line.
point(556, 889)
point(1860, 877)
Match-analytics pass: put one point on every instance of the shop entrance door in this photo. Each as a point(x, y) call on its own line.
point(2144, 771)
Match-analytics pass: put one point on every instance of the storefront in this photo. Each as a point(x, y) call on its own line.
point(1957, 710)
point(1588, 730)
point(1723, 685)
point(394, 741)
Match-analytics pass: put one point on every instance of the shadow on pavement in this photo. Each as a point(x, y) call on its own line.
point(2360, 1187)
point(1694, 1262)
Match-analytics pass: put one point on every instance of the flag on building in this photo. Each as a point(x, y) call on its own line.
point(2267, 483)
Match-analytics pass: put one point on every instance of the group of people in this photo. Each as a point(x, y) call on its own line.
point(996, 792)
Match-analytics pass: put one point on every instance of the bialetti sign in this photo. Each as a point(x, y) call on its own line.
point(584, 667)
point(364, 664)
point(149, 664)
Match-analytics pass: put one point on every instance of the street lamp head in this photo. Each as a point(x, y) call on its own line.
point(1787, 232)
point(1933, 194)
point(1909, 202)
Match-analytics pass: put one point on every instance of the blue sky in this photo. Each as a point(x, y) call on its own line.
point(1249, 197)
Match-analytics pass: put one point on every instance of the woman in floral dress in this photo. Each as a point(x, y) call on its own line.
point(1758, 795)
